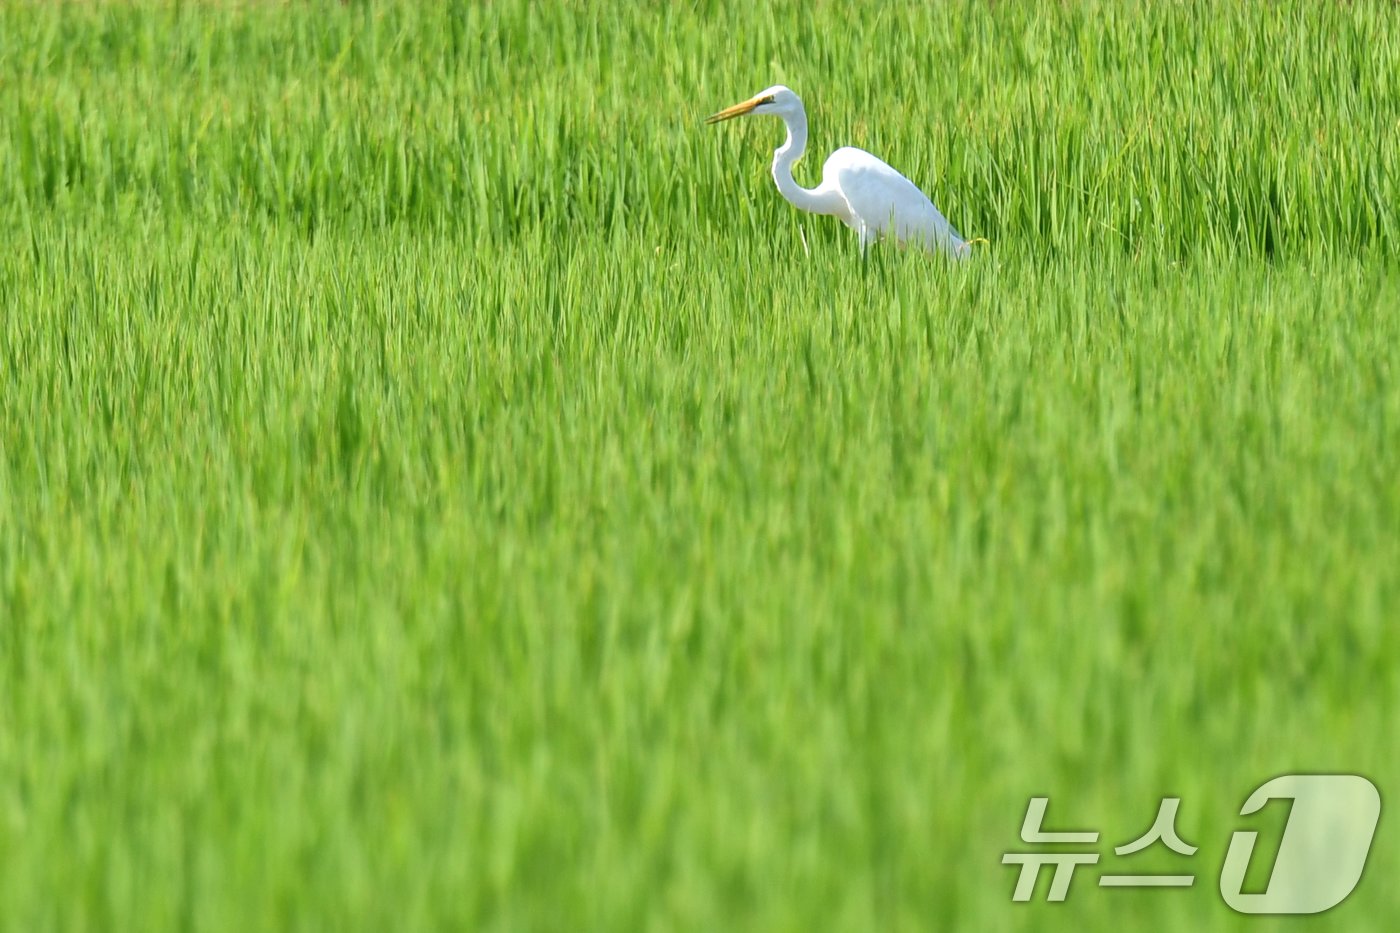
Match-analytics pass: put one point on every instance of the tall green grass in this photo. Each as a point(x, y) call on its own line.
point(1239, 129)
point(443, 485)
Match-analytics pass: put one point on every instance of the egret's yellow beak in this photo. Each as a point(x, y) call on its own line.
point(738, 110)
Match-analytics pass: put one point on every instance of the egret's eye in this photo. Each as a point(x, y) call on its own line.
point(766, 100)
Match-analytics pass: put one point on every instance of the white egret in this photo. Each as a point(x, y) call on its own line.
point(867, 194)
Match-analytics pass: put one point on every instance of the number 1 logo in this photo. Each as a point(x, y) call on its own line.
point(1324, 847)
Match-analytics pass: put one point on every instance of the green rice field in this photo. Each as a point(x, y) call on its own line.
point(444, 486)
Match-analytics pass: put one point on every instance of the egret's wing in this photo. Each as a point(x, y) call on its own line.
point(883, 200)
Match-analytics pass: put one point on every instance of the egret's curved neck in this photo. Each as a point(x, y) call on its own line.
point(818, 200)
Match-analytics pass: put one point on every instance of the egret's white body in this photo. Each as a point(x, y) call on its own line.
point(867, 194)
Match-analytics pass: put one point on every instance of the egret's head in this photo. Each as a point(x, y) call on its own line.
point(776, 100)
